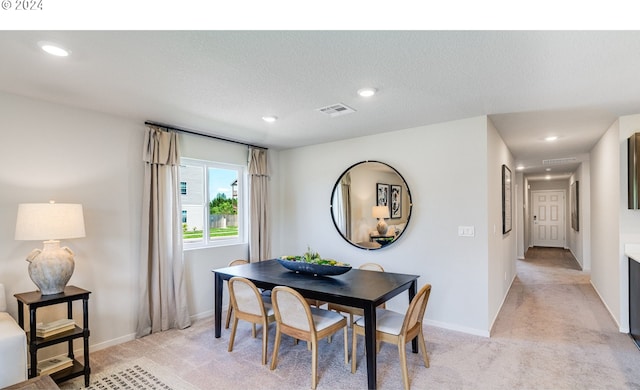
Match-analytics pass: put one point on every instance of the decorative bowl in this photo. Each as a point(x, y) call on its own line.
point(313, 269)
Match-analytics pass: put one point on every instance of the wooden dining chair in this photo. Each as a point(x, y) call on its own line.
point(356, 311)
point(296, 318)
point(229, 307)
point(248, 305)
point(315, 302)
point(399, 329)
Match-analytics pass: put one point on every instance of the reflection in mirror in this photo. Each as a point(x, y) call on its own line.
point(356, 203)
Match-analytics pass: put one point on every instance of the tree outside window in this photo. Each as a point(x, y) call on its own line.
point(213, 203)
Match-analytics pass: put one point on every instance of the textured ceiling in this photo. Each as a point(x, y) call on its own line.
point(531, 84)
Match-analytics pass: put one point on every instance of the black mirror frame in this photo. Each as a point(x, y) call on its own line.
point(408, 195)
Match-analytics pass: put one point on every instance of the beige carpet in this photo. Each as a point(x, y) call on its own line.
point(552, 333)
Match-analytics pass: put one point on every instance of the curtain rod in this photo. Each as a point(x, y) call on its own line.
point(202, 134)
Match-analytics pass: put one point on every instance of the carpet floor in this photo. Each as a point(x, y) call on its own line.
point(553, 332)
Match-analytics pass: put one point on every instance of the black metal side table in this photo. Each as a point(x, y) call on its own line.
point(35, 300)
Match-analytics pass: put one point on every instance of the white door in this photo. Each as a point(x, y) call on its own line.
point(548, 218)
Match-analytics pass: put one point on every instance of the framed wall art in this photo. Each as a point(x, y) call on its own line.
point(396, 202)
point(574, 199)
point(382, 194)
point(506, 199)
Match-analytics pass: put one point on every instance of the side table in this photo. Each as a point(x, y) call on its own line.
point(35, 300)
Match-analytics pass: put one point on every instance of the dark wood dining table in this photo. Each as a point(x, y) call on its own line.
point(357, 288)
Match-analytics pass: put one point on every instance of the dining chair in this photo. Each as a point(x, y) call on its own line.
point(396, 328)
point(356, 311)
point(229, 307)
point(296, 318)
point(314, 302)
point(248, 305)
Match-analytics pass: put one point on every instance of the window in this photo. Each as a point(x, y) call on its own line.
point(213, 208)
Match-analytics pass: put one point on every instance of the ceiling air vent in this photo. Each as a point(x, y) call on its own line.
point(336, 110)
point(556, 161)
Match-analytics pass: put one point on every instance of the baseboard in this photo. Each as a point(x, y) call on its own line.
point(613, 317)
point(504, 299)
point(111, 343)
point(576, 259)
point(204, 314)
point(462, 329)
point(132, 336)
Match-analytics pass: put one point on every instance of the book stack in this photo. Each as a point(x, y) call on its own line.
point(49, 366)
point(51, 328)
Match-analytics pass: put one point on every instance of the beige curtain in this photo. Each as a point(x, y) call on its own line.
point(344, 205)
point(163, 298)
point(259, 237)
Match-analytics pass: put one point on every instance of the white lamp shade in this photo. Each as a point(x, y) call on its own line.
point(380, 212)
point(49, 221)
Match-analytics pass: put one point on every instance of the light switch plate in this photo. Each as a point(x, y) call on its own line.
point(466, 231)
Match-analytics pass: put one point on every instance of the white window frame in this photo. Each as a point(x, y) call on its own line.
point(243, 219)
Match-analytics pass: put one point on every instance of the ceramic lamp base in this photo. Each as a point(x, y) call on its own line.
point(51, 268)
point(382, 227)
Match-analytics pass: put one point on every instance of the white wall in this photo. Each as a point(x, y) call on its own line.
point(579, 241)
point(502, 247)
point(520, 214)
point(50, 151)
point(445, 166)
point(613, 225)
point(605, 220)
point(526, 206)
point(629, 219)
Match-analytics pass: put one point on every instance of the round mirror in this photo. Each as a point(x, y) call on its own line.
point(371, 205)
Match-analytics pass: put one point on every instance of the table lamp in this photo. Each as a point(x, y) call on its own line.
point(381, 212)
point(50, 268)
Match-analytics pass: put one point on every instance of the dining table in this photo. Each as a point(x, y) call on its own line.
point(357, 288)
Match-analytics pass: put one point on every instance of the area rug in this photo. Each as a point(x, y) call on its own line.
point(140, 374)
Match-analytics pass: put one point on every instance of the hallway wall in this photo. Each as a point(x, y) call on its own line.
point(612, 224)
point(501, 247)
point(605, 221)
point(629, 222)
point(578, 242)
point(522, 215)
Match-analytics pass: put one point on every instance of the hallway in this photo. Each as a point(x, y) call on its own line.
point(550, 294)
point(563, 332)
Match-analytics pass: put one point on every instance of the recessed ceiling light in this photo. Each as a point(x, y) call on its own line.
point(54, 49)
point(367, 92)
point(547, 177)
point(551, 138)
point(270, 118)
point(548, 169)
point(520, 167)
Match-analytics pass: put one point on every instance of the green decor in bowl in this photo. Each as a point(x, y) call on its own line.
point(311, 263)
